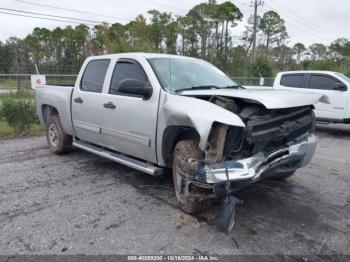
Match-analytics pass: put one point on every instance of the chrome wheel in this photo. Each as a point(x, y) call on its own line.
point(58, 141)
point(53, 135)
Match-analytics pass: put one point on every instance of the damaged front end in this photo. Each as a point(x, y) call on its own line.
point(274, 142)
point(257, 166)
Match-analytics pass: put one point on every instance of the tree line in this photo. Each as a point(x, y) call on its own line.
point(204, 32)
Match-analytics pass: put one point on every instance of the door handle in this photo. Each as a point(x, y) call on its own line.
point(78, 100)
point(109, 105)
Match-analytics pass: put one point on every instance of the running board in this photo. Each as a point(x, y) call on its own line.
point(121, 159)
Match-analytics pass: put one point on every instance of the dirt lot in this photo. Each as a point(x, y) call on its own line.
point(80, 203)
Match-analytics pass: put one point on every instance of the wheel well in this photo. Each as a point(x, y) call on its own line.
point(48, 111)
point(171, 136)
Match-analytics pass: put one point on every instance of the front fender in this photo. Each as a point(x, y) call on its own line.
point(179, 110)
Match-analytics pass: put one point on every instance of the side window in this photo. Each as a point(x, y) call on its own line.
point(323, 82)
point(293, 80)
point(126, 70)
point(94, 75)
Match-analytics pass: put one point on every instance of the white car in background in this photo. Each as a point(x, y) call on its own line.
point(332, 84)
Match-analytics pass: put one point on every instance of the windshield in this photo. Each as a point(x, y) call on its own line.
point(344, 77)
point(178, 74)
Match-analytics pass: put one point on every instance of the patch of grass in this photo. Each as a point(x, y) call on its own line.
point(8, 132)
point(12, 84)
point(17, 116)
point(16, 95)
point(5, 130)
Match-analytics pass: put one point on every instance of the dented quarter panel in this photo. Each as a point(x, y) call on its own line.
point(176, 110)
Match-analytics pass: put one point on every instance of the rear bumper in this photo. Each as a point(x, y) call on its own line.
point(254, 167)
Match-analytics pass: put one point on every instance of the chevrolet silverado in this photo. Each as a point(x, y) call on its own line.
point(155, 111)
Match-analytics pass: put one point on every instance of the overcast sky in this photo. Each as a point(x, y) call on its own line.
point(307, 21)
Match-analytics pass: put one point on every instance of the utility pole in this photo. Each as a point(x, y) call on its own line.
point(255, 3)
point(18, 67)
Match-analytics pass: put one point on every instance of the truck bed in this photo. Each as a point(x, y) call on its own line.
point(58, 96)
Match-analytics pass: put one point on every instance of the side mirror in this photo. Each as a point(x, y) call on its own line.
point(135, 87)
point(340, 87)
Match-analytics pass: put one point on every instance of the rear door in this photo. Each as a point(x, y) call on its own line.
point(325, 84)
point(129, 122)
point(86, 108)
point(295, 82)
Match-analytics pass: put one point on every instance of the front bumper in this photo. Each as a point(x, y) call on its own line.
point(254, 167)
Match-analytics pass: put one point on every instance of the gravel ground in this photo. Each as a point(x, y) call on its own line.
point(79, 203)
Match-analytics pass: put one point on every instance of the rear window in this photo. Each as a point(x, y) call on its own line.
point(94, 75)
point(323, 82)
point(294, 80)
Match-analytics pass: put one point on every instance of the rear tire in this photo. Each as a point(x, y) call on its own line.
point(58, 141)
point(189, 201)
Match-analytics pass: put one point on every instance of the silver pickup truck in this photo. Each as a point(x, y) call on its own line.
point(153, 111)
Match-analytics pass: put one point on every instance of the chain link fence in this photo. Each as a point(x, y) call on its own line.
point(17, 109)
point(254, 81)
point(21, 82)
point(14, 82)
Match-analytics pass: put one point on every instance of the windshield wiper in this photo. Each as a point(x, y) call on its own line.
point(197, 88)
point(235, 87)
point(203, 87)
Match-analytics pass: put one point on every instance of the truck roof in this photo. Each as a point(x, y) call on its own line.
point(308, 72)
point(139, 55)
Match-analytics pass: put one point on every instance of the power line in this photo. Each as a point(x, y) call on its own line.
point(92, 13)
point(71, 10)
point(309, 22)
point(306, 26)
point(164, 5)
point(64, 17)
point(311, 33)
point(42, 18)
point(55, 16)
point(303, 27)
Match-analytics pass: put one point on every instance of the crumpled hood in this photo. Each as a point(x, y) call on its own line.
point(271, 99)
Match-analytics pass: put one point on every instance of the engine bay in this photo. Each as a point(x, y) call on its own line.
point(265, 130)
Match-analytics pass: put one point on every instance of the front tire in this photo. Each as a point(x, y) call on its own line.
point(58, 141)
point(189, 197)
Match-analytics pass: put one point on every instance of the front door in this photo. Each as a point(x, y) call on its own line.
point(318, 84)
point(325, 84)
point(129, 122)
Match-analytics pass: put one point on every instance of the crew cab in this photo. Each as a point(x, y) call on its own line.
point(336, 86)
point(154, 111)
